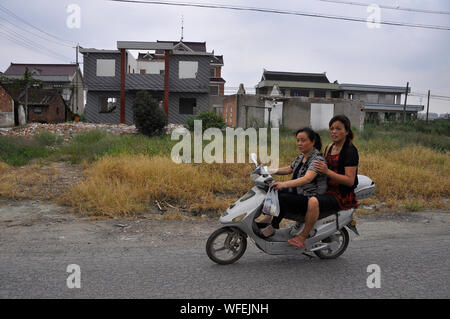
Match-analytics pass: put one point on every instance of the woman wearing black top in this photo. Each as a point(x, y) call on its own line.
point(341, 168)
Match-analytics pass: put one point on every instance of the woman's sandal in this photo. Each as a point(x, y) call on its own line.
point(270, 235)
point(294, 242)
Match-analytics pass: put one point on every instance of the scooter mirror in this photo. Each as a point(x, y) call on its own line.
point(254, 159)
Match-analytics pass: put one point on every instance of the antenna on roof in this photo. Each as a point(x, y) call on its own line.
point(182, 28)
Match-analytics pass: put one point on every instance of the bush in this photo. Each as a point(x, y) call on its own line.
point(209, 119)
point(148, 117)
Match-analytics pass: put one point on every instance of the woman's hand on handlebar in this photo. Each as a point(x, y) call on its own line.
point(278, 185)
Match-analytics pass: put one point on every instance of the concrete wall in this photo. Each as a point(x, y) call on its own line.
point(296, 111)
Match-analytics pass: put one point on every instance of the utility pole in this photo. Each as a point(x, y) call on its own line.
point(75, 104)
point(406, 99)
point(428, 104)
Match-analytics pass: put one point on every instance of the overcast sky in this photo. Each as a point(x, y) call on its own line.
point(349, 52)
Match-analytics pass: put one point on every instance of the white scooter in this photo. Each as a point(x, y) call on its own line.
point(328, 239)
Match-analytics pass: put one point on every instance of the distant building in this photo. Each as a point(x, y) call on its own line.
point(43, 105)
point(65, 78)
point(298, 84)
point(381, 103)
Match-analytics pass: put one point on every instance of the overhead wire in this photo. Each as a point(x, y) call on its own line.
point(12, 14)
point(32, 43)
point(279, 11)
point(353, 3)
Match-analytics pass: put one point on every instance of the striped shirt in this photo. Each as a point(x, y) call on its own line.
point(318, 186)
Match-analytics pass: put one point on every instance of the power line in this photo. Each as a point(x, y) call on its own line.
point(34, 34)
point(31, 43)
point(387, 7)
point(9, 12)
point(277, 11)
point(24, 43)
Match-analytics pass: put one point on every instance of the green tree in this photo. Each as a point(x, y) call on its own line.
point(209, 119)
point(148, 116)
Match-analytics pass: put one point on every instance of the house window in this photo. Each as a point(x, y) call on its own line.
point(187, 69)
point(212, 72)
point(142, 71)
point(300, 93)
point(214, 90)
point(37, 110)
point(350, 96)
point(108, 104)
point(320, 93)
point(106, 67)
point(187, 105)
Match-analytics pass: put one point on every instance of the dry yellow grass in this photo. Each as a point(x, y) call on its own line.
point(411, 178)
point(125, 185)
point(27, 182)
point(414, 177)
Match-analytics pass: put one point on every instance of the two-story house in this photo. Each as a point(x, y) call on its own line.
point(172, 72)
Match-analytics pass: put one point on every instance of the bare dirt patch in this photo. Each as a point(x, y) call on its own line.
point(39, 182)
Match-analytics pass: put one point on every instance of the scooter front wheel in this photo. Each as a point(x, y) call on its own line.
point(226, 245)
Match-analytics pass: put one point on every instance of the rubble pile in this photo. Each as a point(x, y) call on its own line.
point(68, 129)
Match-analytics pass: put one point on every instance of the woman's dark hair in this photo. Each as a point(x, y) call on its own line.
point(313, 136)
point(348, 126)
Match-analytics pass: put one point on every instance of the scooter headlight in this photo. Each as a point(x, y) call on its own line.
point(239, 218)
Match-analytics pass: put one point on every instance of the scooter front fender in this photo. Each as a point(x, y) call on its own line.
point(243, 207)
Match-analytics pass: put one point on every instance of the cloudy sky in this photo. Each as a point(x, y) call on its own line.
point(349, 52)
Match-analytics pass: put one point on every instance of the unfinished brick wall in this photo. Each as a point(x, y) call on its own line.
point(229, 110)
point(6, 102)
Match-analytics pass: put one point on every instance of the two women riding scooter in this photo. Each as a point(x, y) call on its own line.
point(319, 184)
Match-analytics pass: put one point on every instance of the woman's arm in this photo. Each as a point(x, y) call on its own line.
point(281, 171)
point(348, 179)
point(308, 178)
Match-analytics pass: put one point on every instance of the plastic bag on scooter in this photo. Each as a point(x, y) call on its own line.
point(271, 204)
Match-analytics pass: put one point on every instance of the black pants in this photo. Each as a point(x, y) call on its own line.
point(292, 206)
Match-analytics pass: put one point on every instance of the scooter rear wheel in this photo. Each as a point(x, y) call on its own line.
point(226, 245)
point(340, 240)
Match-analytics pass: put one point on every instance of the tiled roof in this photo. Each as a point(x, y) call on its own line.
point(194, 46)
point(217, 59)
point(37, 96)
point(42, 69)
point(294, 77)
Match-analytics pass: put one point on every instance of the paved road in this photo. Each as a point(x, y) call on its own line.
point(166, 259)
